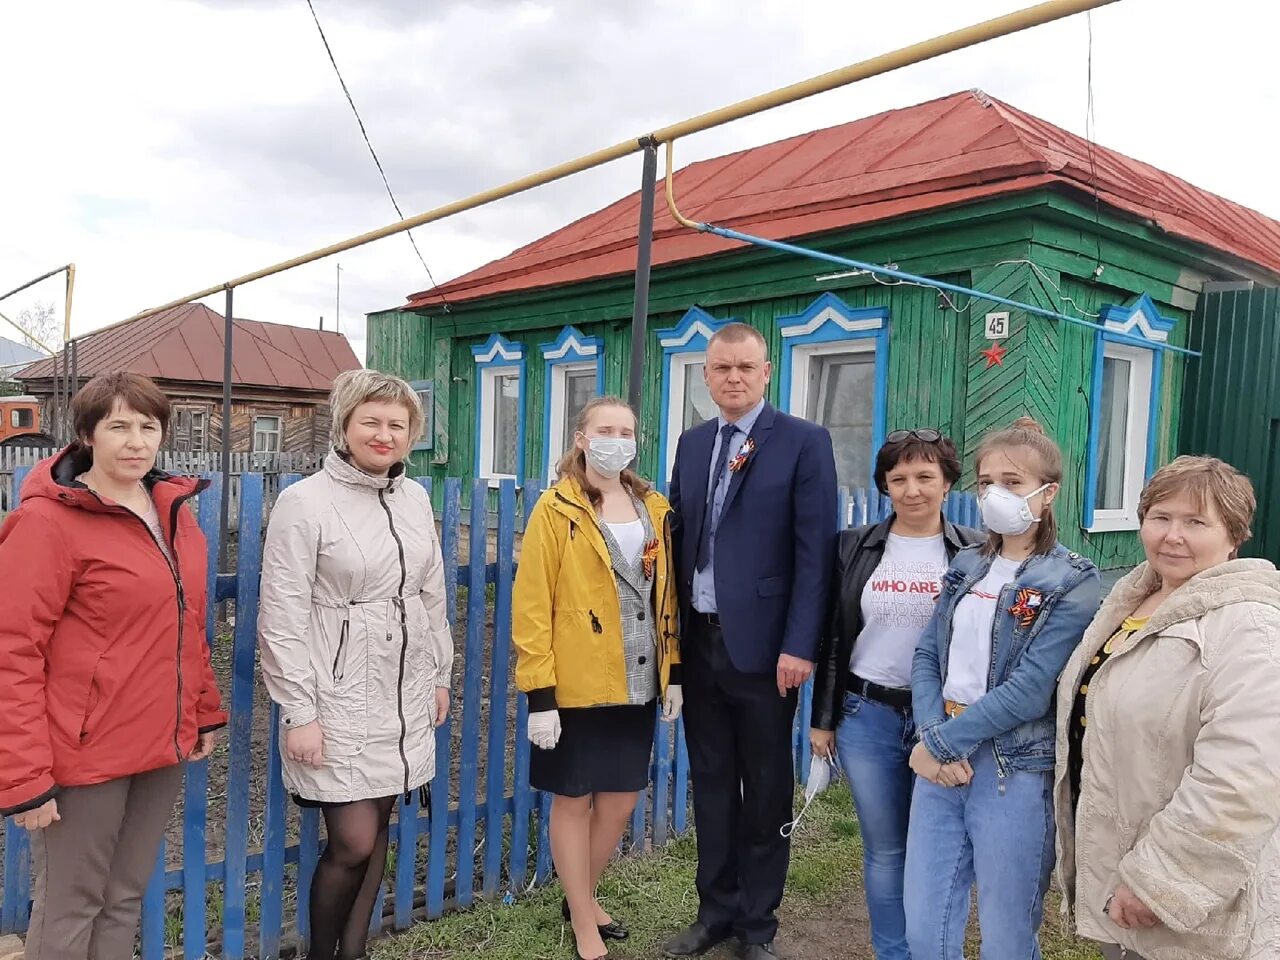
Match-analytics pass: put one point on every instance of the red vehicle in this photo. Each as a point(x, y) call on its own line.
point(20, 423)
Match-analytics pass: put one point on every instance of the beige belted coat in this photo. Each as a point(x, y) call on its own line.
point(1180, 794)
point(353, 630)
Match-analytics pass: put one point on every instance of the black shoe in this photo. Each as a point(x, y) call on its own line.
point(758, 951)
point(694, 941)
point(612, 930)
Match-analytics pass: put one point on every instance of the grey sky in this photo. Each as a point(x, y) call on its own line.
point(168, 145)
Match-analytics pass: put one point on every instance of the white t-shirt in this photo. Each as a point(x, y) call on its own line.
point(969, 661)
point(897, 603)
point(630, 537)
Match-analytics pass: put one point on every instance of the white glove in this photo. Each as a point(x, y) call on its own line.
point(544, 729)
point(674, 703)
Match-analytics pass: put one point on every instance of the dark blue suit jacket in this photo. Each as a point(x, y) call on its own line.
point(776, 539)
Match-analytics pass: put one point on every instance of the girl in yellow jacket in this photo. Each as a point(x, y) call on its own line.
point(596, 635)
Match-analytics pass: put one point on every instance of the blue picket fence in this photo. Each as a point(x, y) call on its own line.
point(485, 832)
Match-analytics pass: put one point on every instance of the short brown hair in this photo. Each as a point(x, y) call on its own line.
point(736, 332)
point(1027, 434)
point(97, 398)
point(1206, 480)
point(942, 452)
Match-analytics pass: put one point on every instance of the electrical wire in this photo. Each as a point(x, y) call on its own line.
point(373, 153)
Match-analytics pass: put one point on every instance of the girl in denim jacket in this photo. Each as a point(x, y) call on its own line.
point(1009, 614)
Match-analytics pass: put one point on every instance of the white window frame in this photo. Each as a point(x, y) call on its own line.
point(571, 351)
point(1137, 437)
point(557, 442)
point(683, 345)
point(497, 357)
point(800, 358)
point(679, 372)
point(278, 431)
point(830, 326)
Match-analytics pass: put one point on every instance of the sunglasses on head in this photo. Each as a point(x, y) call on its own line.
point(925, 436)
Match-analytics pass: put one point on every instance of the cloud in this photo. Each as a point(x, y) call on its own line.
point(198, 141)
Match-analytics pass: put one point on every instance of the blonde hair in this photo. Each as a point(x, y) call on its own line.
point(574, 462)
point(1206, 480)
point(1026, 434)
point(354, 387)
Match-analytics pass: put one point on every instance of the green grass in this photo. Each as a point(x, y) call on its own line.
point(655, 896)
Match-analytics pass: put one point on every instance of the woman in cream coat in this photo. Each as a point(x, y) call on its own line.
point(356, 645)
point(1167, 788)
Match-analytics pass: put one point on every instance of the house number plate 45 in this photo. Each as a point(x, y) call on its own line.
point(997, 326)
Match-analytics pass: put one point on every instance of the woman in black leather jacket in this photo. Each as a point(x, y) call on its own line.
point(887, 579)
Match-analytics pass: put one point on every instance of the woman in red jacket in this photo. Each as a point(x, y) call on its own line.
point(105, 684)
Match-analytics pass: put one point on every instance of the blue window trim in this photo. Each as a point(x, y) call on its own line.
point(1143, 320)
point(571, 346)
point(429, 417)
point(499, 353)
point(690, 336)
point(830, 320)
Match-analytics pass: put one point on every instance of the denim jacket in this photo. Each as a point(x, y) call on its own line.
point(1033, 636)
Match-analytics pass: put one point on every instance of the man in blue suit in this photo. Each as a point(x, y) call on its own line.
point(754, 523)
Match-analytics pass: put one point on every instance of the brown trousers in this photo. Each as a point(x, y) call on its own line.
point(92, 866)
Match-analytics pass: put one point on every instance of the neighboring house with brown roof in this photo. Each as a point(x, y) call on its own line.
point(282, 377)
point(964, 189)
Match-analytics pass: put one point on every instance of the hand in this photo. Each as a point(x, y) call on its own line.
point(442, 705)
point(204, 746)
point(923, 763)
point(1127, 911)
point(305, 744)
point(544, 729)
point(674, 703)
point(955, 774)
point(792, 673)
point(822, 742)
point(39, 818)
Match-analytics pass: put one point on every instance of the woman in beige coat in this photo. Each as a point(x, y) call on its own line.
point(356, 645)
point(1167, 789)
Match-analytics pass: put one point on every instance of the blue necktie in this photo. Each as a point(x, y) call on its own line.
point(704, 540)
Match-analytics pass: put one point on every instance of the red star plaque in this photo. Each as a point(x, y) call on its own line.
point(995, 355)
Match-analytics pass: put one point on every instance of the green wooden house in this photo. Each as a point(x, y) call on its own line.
point(964, 189)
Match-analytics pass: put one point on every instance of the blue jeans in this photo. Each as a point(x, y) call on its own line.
point(874, 742)
point(999, 834)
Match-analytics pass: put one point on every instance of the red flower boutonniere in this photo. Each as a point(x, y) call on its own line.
point(744, 454)
point(1027, 606)
point(649, 558)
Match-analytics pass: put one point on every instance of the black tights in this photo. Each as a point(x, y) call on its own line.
point(348, 876)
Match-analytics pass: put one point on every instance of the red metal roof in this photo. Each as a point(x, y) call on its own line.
point(961, 148)
point(185, 343)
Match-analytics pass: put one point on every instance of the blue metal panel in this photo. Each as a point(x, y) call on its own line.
point(271, 922)
point(438, 826)
point(499, 670)
point(471, 692)
point(244, 665)
point(662, 784)
point(680, 785)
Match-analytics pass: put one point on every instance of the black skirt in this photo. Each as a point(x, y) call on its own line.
point(601, 750)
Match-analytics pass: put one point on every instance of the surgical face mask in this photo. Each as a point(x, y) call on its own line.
point(820, 772)
point(610, 454)
point(1007, 513)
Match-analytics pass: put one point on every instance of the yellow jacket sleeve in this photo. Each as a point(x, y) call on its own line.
point(532, 603)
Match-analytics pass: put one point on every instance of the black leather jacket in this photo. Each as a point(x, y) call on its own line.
point(859, 553)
